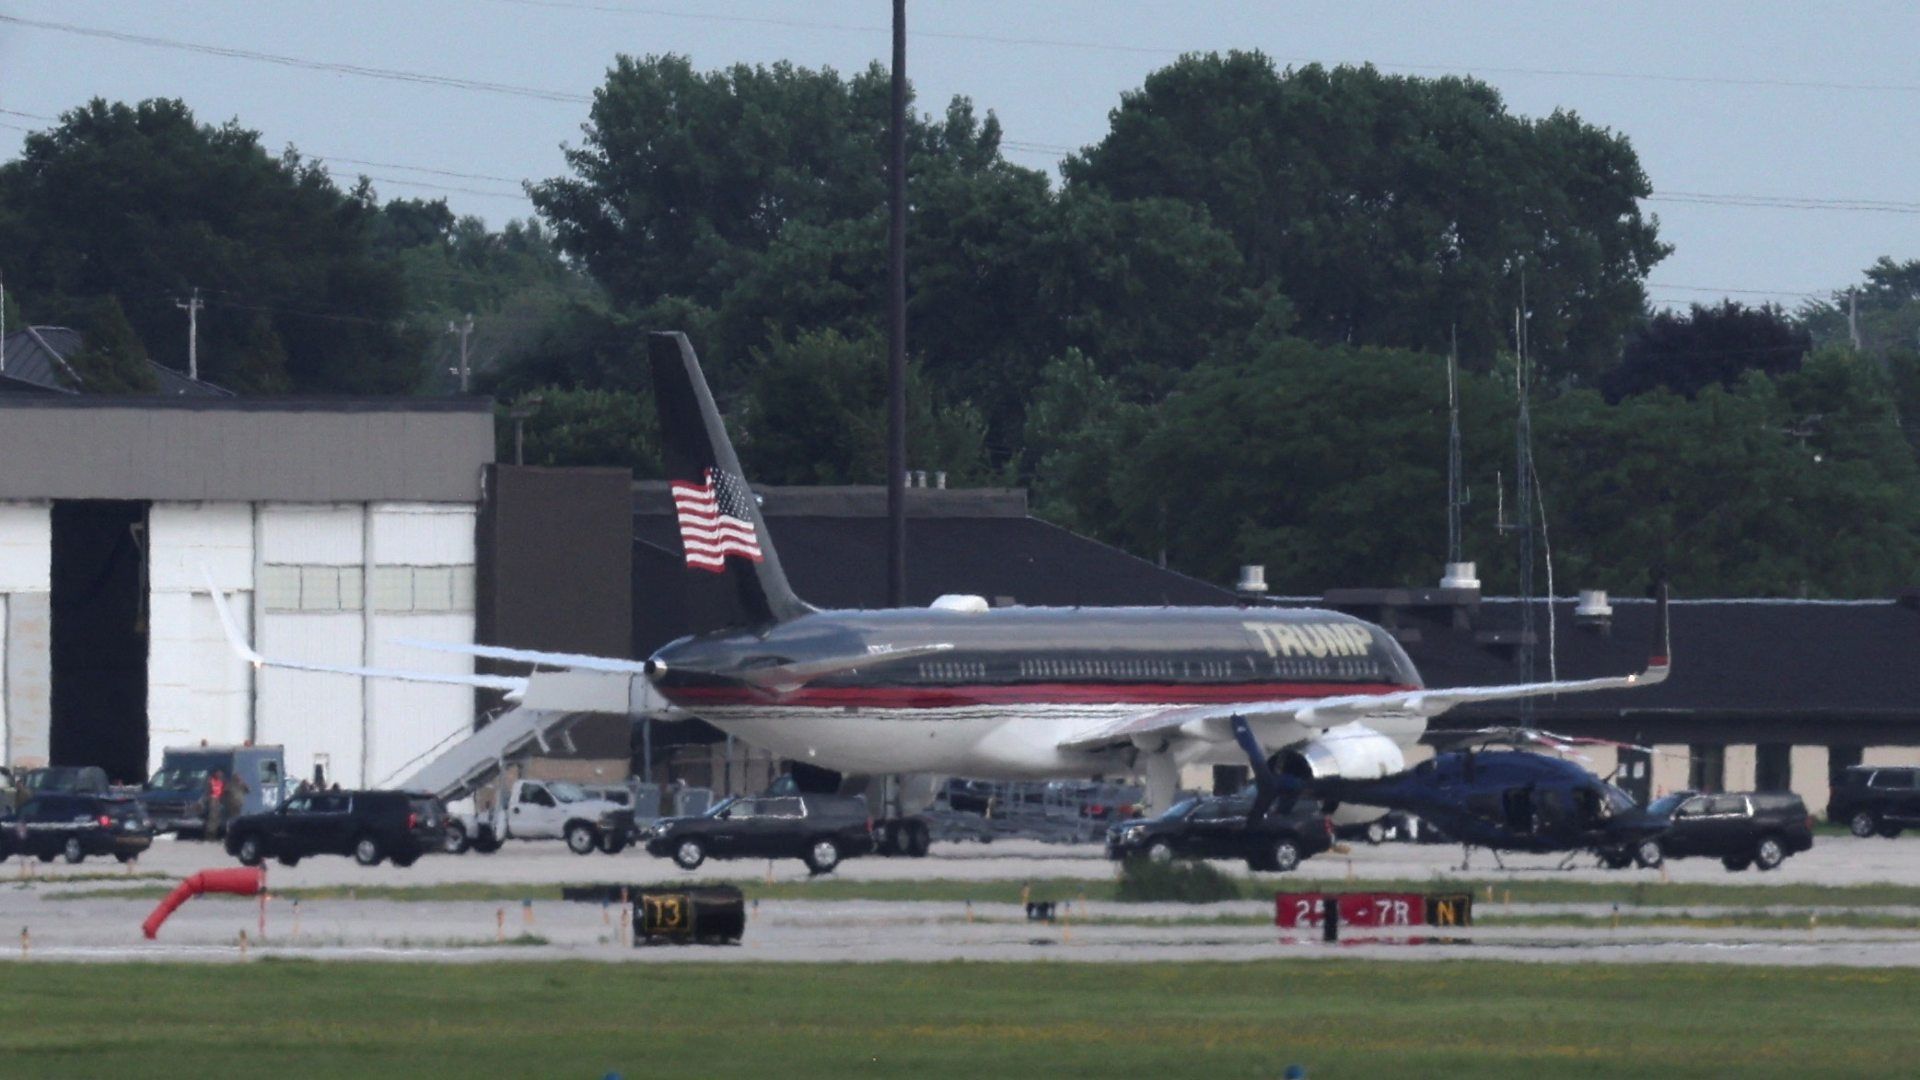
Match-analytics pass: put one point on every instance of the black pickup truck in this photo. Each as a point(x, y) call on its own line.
point(1741, 829)
point(1217, 828)
point(820, 830)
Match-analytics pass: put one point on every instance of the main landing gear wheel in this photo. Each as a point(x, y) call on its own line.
point(689, 855)
point(1649, 855)
point(823, 856)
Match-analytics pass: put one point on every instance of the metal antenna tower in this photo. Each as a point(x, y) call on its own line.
point(1523, 484)
point(1454, 499)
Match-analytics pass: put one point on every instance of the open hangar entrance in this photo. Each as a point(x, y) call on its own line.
point(99, 636)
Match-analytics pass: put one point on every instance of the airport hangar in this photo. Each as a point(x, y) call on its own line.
point(337, 526)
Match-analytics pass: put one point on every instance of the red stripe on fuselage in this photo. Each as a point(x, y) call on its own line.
point(952, 697)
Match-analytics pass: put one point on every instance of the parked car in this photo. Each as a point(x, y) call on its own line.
point(1216, 827)
point(820, 830)
point(1875, 799)
point(1741, 829)
point(176, 795)
point(369, 825)
point(76, 826)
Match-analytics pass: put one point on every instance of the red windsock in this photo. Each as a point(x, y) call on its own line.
point(237, 880)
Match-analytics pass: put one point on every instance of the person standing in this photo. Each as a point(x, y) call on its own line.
point(216, 804)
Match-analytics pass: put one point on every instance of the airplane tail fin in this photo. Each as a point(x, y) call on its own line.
point(733, 574)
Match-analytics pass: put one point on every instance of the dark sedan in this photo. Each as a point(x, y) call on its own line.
point(1217, 828)
point(820, 830)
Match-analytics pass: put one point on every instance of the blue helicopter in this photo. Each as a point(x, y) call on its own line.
point(1503, 800)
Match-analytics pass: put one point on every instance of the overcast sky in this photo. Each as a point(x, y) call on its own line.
point(1804, 103)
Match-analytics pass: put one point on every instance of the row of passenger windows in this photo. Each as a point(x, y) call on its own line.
point(1247, 668)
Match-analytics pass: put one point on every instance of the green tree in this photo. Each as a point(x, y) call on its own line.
point(1394, 210)
point(1686, 352)
point(816, 415)
point(571, 426)
point(1885, 307)
point(112, 360)
point(143, 203)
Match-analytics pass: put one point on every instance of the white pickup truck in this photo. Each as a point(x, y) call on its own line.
point(544, 810)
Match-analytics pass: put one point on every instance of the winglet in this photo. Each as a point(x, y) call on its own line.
point(227, 624)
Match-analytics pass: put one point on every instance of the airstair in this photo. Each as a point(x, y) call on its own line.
point(553, 703)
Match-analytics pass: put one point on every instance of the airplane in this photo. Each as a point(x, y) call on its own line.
point(963, 689)
point(1505, 800)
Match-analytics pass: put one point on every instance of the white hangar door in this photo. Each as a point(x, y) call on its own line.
point(197, 689)
point(312, 607)
point(421, 587)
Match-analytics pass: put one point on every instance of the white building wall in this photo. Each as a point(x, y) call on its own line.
point(26, 547)
point(26, 572)
point(1808, 766)
point(315, 716)
point(197, 690)
point(412, 720)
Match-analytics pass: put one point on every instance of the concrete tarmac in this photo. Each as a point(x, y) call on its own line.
point(57, 925)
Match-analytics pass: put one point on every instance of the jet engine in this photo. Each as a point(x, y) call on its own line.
point(1349, 752)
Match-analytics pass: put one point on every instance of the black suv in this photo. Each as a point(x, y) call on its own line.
point(820, 830)
point(1870, 799)
point(1217, 828)
point(368, 825)
point(1741, 829)
point(76, 826)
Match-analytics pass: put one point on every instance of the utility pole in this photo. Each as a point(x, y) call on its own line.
point(3, 326)
point(192, 307)
point(462, 329)
point(897, 322)
point(1454, 492)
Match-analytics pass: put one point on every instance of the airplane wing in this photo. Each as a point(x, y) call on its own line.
point(512, 685)
point(1285, 720)
point(580, 661)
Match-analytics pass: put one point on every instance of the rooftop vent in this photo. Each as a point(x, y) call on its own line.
point(1592, 606)
point(961, 602)
point(1460, 575)
point(1253, 580)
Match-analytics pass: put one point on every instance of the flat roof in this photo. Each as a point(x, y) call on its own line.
point(244, 449)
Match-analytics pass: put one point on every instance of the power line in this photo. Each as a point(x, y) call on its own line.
point(364, 71)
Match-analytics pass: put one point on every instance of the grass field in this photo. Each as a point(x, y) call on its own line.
point(1338, 1018)
point(1752, 891)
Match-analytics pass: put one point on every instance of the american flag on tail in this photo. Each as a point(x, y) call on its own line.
point(716, 520)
